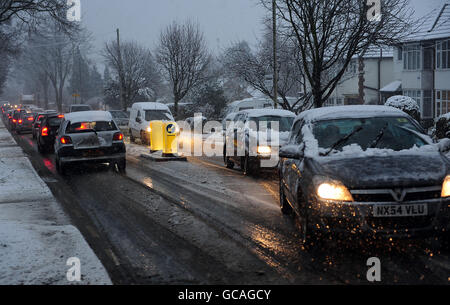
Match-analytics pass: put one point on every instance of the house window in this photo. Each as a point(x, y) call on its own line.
point(442, 102)
point(427, 107)
point(411, 57)
point(443, 54)
point(400, 53)
point(428, 61)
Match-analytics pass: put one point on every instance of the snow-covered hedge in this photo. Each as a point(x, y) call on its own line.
point(406, 104)
point(441, 129)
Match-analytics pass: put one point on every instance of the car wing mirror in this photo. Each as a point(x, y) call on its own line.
point(444, 145)
point(291, 152)
point(138, 120)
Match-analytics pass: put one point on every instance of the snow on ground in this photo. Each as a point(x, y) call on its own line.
point(36, 237)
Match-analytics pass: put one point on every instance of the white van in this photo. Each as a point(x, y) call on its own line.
point(142, 114)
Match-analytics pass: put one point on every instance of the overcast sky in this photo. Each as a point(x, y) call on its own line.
point(223, 21)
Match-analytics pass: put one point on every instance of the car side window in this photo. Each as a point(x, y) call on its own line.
point(296, 133)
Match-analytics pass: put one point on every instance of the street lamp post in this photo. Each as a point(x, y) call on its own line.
point(275, 63)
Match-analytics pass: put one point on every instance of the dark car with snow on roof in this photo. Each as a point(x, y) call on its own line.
point(47, 132)
point(364, 170)
point(89, 137)
point(254, 137)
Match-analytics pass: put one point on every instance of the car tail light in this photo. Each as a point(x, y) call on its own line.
point(14, 121)
point(61, 116)
point(65, 140)
point(118, 136)
point(44, 132)
point(20, 121)
point(30, 119)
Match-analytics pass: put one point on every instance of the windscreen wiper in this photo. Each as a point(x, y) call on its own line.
point(343, 140)
point(379, 136)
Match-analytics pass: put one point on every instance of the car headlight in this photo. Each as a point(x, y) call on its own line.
point(264, 150)
point(446, 187)
point(333, 190)
point(149, 129)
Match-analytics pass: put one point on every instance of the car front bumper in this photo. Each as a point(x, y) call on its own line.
point(357, 218)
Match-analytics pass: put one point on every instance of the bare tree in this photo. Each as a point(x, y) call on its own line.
point(49, 57)
point(330, 33)
point(256, 69)
point(31, 11)
point(184, 58)
point(139, 72)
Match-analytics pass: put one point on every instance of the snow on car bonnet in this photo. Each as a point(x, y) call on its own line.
point(89, 116)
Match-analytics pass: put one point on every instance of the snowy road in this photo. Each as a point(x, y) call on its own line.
point(197, 222)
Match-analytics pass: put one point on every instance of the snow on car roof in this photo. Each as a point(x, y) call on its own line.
point(268, 112)
point(345, 112)
point(88, 116)
point(152, 106)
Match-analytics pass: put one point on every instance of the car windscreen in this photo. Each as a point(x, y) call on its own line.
point(284, 123)
point(394, 133)
point(54, 122)
point(119, 115)
point(98, 126)
point(158, 115)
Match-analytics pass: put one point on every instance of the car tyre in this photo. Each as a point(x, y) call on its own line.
point(122, 166)
point(132, 138)
point(40, 148)
point(285, 207)
point(308, 238)
point(248, 167)
point(61, 168)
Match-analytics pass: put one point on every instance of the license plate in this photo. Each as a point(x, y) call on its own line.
point(405, 210)
point(93, 153)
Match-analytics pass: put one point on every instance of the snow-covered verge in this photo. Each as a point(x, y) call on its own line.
point(36, 237)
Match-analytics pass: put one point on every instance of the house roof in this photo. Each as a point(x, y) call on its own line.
point(435, 27)
point(395, 86)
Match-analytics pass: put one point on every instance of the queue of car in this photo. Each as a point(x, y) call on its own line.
point(357, 171)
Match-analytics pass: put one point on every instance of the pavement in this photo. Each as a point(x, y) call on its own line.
point(36, 236)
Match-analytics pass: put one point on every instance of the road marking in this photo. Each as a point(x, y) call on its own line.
point(112, 256)
point(92, 231)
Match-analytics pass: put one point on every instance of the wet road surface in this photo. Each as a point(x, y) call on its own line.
point(197, 222)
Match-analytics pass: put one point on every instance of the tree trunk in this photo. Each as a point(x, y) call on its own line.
point(175, 107)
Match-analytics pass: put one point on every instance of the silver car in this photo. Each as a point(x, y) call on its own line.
point(89, 137)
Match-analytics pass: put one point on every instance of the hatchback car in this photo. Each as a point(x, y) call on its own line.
point(364, 171)
point(89, 137)
point(39, 118)
point(256, 135)
point(24, 122)
point(47, 132)
point(14, 119)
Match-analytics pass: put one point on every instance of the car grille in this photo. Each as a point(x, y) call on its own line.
point(397, 195)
